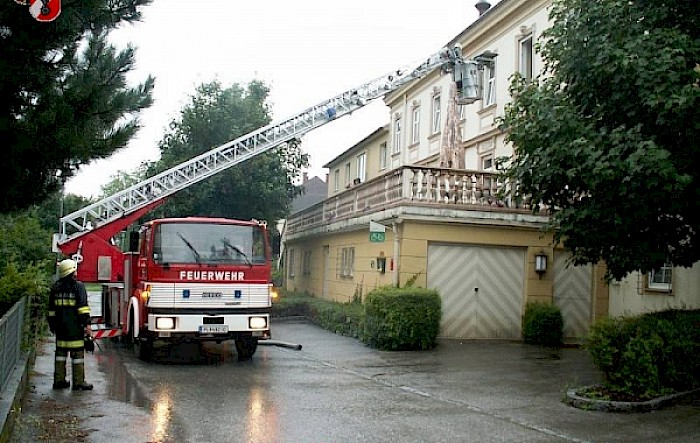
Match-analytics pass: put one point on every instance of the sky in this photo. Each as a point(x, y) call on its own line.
point(305, 51)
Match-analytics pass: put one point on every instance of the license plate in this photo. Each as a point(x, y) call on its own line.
point(213, 329)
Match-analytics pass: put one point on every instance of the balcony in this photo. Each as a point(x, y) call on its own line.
point(439, 194)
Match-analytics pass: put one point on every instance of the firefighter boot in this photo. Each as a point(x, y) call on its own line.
point(59, 372)
point(78, 362)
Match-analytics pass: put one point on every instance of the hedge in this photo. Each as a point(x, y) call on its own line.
point(648, 355)
point(388, 319)
point(401, 318)
point(543, 324)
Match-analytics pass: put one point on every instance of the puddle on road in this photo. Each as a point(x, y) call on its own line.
point(120, 385)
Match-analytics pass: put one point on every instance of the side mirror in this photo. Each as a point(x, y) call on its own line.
point(134, 241)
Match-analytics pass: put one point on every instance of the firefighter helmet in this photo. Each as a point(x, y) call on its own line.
point(67, 267)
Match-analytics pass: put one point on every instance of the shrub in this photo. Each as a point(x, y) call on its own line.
point(648, 355)
point(401, 318)
point(543, 324)
point(341, 318)
point(31, 281)
point(291, 305)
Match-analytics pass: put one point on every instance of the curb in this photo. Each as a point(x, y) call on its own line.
point(290, 319)
point(13, 395)
point(590, 404)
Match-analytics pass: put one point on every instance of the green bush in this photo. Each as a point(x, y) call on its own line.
point(648, 355)
point(32, 281)
point(401, 318)
point(341, 318)
point(543, 324)
point(291, 305)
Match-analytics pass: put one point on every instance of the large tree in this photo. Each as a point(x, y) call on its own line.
point(260, 188)
point(607, 139)
point(64, 99)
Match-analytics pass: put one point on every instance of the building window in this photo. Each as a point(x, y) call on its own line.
point(436, 114)
point(348, 179)
point(290, 263)
point(362, 167)
point(336, 179)
point(306, 263)
point(415, 137)
point(487, 162)
point(383, 156)
point(397, 135)
point(347, 262)
point(526, 51)
point(660, 279)
point(490, 84)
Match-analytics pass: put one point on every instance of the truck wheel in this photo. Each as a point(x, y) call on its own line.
point(246, 347)
point(144, 348)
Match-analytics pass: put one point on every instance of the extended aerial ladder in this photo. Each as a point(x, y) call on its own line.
point(97, 223)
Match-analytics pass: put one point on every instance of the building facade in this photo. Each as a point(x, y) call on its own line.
point(428, 180)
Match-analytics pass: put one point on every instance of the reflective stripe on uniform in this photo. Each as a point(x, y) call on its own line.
point(84, 310)
point(64, 302)
point(69, 343)
point(78, 361)
point(51, 313)
point(61, 358)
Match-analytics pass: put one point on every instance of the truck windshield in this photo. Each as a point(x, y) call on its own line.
point(208, 243)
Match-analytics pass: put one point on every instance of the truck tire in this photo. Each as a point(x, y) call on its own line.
point(143, 347)
point(246, 347)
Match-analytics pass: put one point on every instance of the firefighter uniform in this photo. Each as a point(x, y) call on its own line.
point(68, 315)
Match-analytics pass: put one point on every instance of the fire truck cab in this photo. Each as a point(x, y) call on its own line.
point(193, 280)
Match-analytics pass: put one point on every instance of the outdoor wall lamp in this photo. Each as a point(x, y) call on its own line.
point(541, 263)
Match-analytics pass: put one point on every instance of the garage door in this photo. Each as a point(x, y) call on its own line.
point(572, 293)
point(481, 289)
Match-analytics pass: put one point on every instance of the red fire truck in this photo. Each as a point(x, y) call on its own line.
point(204, 279)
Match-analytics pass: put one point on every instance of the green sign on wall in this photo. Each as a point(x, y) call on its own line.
point(376, 237)
point(376, 232)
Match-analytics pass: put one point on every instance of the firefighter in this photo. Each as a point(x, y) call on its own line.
point(69, 316)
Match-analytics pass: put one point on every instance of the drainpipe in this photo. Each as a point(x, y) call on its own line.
point(397, 247)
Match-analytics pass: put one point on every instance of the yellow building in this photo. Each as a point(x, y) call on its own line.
point(428, 180)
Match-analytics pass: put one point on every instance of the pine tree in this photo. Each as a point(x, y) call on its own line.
point(64, 98)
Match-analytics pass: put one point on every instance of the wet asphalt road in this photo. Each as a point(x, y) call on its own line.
point(337, 390)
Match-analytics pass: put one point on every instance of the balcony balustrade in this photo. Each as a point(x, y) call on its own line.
point(417, 186)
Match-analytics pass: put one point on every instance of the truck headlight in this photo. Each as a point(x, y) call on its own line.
point(257, 322)
point(165, 323)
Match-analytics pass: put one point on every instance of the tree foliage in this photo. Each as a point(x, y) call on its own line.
point(260, 188)
point(49, 212)
point(124, 179)
point(64, 99)
point(607, 138)
point(24, 242)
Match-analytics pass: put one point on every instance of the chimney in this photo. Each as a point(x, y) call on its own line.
point(482, 6)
